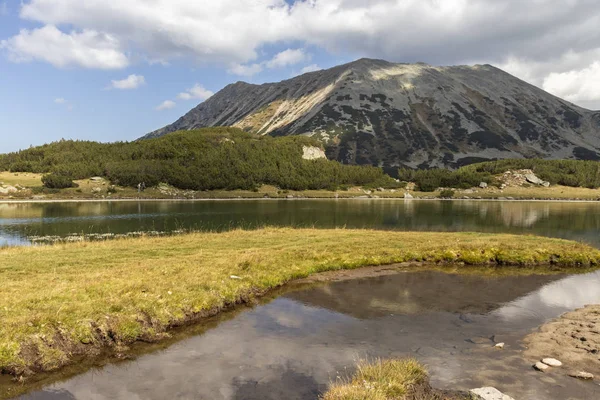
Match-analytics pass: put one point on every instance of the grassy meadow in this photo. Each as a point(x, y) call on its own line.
point(63, 301)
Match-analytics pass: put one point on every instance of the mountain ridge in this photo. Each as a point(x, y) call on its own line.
point(417, 115)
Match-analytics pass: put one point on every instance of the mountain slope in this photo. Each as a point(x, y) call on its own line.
point(380, 113)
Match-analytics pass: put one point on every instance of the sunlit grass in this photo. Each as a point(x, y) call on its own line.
point(60, 301)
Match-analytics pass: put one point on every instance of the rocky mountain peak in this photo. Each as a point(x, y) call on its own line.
point(376, 112)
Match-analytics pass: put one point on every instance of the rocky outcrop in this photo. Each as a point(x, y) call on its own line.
point(313, 153)
point(380, 113)
point(8, 189)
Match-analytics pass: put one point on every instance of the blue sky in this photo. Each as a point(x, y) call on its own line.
point(59, 58)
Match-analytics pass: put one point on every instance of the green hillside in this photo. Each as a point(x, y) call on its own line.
point(205, 159)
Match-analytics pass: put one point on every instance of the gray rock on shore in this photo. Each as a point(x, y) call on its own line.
point(531, 178)
point(489, 393)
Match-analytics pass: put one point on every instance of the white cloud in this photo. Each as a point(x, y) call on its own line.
point(538, 34)
point(310, 68)
point(280, 60)
point(287, 57)
point(131, 82)
point(63, 102)
point(166, 105)
point(245, 70)
point(196, 92)
point(89, 49)
point(578, 85)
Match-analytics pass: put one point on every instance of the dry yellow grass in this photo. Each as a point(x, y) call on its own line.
point(380, 380)
point(21, 178)
point(388, 380)
point(60, 301)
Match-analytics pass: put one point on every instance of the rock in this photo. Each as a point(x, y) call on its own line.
point(483, 185)
point(490, 393)
point(531, 178)
point(96, 179)
point(500, 345)
point(408, 196)
point(96, 190)
point(7, 189)
point(289, 196)
point(313, 153)
point(586, 376)
point(380, 189)
point(235, 277)
point(553, 362)
point(540, 366)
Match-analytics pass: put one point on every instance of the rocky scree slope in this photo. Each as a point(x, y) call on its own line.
point(416, 115)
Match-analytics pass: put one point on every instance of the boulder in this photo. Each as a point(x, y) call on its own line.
point(531, 178)
point(483, 185)
point(489, 393)
point(408, 196)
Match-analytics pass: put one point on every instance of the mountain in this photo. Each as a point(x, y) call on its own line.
point(417, 115)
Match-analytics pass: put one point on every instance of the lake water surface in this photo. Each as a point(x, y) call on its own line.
point(571, 220)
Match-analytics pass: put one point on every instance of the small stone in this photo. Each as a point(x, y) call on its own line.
point(490, 393)
point(540, 366)
point(586, 376)
point(499, 345)
point(235, 277)
point(553, 362)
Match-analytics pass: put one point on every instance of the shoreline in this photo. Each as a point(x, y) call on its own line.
point(186, 200)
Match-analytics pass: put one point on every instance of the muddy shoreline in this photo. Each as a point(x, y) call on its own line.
point(573, 339)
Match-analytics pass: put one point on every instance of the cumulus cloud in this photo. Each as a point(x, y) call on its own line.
point(287, 57)
point(131, 82)
point(534, 34)
point(310, 68)
point(578, 86)
point(245, 70)
point(283, 59)
point(87, 48)
point(196, 92)
point(166, 105)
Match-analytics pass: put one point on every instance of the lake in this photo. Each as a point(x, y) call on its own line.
point(570, 220)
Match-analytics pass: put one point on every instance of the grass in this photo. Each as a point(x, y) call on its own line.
point(58, 302)
point(21, 178)
point(387, 380)
point(86, 191)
